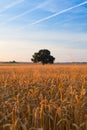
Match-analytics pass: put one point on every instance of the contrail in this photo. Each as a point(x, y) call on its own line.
point(58, 13)
point(11, 5)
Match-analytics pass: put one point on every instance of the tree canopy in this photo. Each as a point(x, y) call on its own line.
point(43, 56)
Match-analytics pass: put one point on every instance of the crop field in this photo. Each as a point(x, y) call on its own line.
point(43, 97)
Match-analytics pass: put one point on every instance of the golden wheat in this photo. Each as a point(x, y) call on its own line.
point(49, 97)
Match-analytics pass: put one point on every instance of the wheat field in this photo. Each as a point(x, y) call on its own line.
point(37, 97)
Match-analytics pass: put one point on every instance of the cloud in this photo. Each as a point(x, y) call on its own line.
point(41, 5)
point(22, 14)
point(10, 5)
point(58, 13)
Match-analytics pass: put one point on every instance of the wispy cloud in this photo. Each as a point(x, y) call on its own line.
point(11, 5)
point(40, 5)
point(22, 14)
point(58, 13)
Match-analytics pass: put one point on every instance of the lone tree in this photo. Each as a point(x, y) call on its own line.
point(43, 56)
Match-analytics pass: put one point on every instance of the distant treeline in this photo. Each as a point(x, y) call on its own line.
point(16, 62)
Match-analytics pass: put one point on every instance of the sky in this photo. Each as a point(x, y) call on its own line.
point(26, 26)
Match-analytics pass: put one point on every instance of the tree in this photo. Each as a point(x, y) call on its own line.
point(12, 61)
point(43, 56)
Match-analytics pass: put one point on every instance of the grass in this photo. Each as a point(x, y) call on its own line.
point(49, 97)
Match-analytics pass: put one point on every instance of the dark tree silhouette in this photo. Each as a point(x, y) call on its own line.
point(43, 56)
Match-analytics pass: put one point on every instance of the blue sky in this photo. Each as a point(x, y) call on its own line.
point(27, 26)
